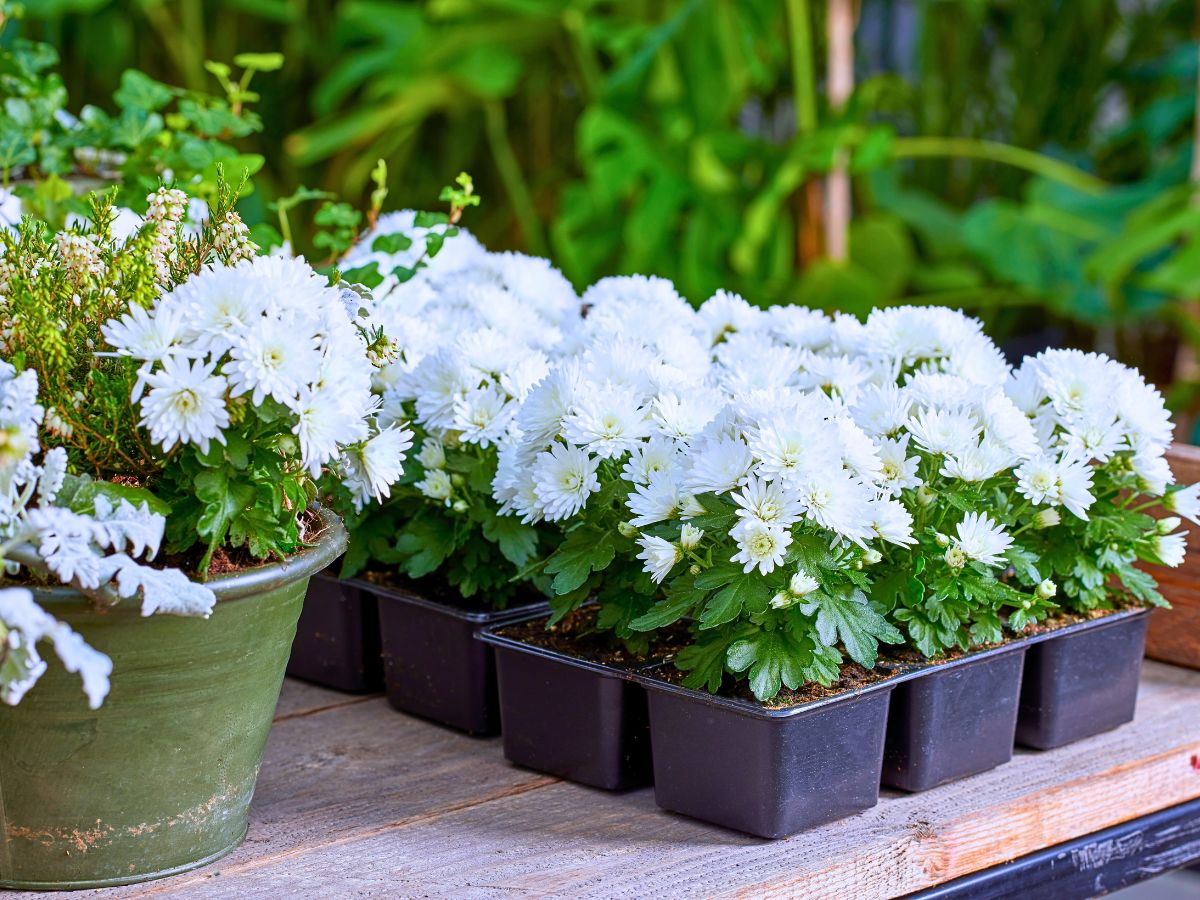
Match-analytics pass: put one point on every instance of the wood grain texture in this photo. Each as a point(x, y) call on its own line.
point(356, 800)
point(1173, 634)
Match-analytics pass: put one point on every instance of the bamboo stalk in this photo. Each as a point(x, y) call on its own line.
point(840, 72)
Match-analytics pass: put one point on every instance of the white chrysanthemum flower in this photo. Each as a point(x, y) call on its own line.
point(898, 470)
point(483, 415)
point(656, 501)
point(1185, 501)
point(609, 421)
point(981, 539)
point(1153, 472)
point(185, 404)
point(946, 432)
point(839, 503)
point(436, 485)
point(979, 463)
point(268, 358)
point(683, 417)
point(795, 450)
point(433, 454)
point(646, 460)
point(659, 556)
point(323, 425)
point(690, 536)
point(564, 478)
point(719, 466)
point(892, 522)
point(372, 468)
point(1169, 549)
point(770, 502)
point(882, 410)
point(759, 545)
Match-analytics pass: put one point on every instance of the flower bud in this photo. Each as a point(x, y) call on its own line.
point(1046, 590)
point(627, 530)
point(689, 537)
point(955, 557)
point(925, 496)
point(694, 569)
point(872, 556)
point(457, 480)
point(460, 506)
point(782, 600)
point(801, 584)
point(943, 541)
point(1047, 518)
point(432, 455)
point(1167, 525)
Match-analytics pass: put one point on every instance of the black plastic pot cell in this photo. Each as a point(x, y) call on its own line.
point(1083, 682)
point(956, 719)
point(570, 717)
point(337, 637)
point(767, 772)
point(433, 665)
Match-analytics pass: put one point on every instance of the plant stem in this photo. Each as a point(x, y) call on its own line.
point(514, 181)
point(994, 151)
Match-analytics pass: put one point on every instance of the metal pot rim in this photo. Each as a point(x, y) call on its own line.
point(330, 544)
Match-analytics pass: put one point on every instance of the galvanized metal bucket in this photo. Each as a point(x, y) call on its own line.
point(159, 779)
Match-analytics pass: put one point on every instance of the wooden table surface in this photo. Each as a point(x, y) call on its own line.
point(357, 800)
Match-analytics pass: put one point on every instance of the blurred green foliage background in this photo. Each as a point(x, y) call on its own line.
point(1027, 160)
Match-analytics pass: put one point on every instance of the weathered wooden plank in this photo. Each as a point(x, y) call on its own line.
point(357, 800)
point(1090, 866)
point(299, 698)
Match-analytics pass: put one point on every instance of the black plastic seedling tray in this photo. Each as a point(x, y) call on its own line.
point(767, 772)
point(1082, 680)
point(433, 666)
point(772, 773)
point(337, 638)
point(957, 719)
point(577, 719)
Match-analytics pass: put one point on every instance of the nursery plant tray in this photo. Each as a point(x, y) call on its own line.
point(355, 799)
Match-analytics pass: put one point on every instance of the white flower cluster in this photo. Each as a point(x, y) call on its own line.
point(474, 332)
point(92, 552)
point(267, 329)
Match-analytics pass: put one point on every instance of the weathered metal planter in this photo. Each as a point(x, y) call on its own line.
point(159, 779)
point(337, 639)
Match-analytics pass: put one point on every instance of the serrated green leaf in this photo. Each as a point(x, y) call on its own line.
point(585, 550)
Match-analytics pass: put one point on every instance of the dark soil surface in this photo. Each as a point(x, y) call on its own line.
point(852, 677)
point(439, 591)
point(576, 635)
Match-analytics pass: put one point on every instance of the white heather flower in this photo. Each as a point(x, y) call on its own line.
point(436, 485)
point(269, 359)
point(372, 468)
point(770, 502)
point(185, 404)
point(689, 537)
point(659, 556)
point(1185, 501)
point(981, 539)
point(759, 545)
point(564, 478)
